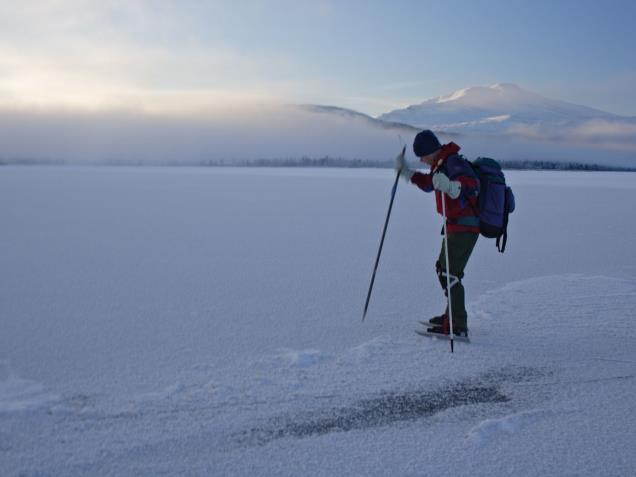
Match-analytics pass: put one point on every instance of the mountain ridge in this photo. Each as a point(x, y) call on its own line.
point(501, 107)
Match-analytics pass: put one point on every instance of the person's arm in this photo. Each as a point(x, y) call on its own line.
point(423, 181)
point(452, 188)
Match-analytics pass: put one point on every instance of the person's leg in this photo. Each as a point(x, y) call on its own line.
point(460, 247)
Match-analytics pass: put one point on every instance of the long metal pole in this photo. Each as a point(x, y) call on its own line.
point(448, 287)
point(377, 259)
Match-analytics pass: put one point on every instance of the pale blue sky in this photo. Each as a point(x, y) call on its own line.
point(372, 56)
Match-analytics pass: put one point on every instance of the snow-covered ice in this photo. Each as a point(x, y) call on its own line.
point(191, 321)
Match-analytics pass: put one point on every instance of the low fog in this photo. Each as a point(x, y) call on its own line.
point(267, 132)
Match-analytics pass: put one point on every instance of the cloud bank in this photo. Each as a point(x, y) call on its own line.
point(225, 134)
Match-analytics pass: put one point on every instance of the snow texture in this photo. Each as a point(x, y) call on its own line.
point(208, 322)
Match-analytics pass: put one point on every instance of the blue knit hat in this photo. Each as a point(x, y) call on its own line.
point(425, 143)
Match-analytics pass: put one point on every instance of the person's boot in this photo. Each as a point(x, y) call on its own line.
point(437, 320)
point(443, 328)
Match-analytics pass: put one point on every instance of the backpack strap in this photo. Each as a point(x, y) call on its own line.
point(503, 238)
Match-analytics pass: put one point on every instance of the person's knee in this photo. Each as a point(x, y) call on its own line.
point(440, 275)
point(445, 278)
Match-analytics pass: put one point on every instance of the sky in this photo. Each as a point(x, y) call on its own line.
point(371, 56)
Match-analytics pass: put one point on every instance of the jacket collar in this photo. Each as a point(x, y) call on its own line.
point(446, 150)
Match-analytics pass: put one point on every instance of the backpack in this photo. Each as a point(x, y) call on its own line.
point(496, 200)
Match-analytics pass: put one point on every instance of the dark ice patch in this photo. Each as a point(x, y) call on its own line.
point(380, 411)
point(390, 408)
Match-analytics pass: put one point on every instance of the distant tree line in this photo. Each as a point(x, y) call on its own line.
point(387, 164)
point(31, 162)
point(561, 166)
point(325, 161)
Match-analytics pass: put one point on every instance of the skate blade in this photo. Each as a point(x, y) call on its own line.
point(463, 339)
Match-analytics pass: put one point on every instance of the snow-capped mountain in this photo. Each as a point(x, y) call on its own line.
point(512, 123)
point(502, 107)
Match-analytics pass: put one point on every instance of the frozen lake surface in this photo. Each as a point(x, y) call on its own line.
point(208, 321)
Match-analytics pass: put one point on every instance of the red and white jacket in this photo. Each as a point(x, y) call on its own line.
point(461, 213)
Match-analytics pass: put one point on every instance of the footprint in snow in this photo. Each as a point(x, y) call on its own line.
point(490, 429)
point(303, 358)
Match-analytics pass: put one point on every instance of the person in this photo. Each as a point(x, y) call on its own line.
point(450, 174)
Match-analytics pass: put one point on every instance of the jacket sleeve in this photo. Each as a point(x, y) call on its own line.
point(423, 181)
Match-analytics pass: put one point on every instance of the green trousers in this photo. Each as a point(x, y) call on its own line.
point(460, 246)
